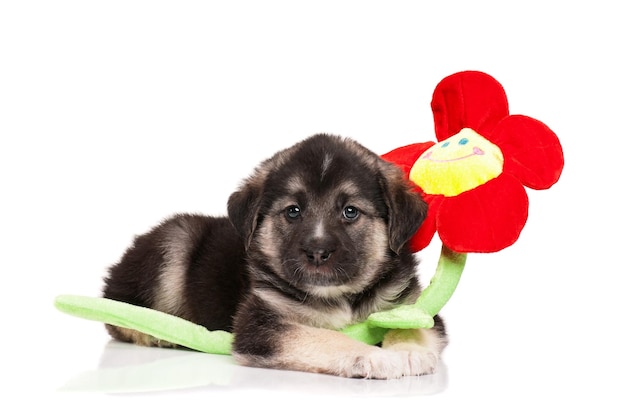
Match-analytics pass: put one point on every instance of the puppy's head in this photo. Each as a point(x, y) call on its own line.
point(326, 214)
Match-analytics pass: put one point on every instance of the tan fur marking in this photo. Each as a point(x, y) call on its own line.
point(169, 294)
point(295, 185)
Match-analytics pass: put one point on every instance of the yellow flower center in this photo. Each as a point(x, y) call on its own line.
point(457, 164)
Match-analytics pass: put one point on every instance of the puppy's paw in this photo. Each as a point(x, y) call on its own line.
point(390, 364)
point(136, 337)
point(423, 346)
point(422, 360)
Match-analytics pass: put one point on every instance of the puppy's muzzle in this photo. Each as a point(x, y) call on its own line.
point(318, 250)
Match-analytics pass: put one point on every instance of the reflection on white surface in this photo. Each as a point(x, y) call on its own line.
point(126, 368)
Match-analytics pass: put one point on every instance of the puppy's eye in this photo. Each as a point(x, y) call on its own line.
point(292, 212)
point(350, 213)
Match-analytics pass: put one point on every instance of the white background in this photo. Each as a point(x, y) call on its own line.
point(115, 114)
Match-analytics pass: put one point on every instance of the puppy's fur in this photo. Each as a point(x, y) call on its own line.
point(314, 241)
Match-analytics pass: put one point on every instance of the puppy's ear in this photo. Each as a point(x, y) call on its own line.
point(407, 209)
point(244, 205)
point(243, 208)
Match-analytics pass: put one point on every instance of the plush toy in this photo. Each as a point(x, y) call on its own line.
point(473, 180)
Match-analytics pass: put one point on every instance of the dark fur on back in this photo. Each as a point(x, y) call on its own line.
point(215, 276)
point(314, 241)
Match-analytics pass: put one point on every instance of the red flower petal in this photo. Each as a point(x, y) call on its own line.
point(485, 219)
point(405, 156)
point(468, 99)
point(532, 152)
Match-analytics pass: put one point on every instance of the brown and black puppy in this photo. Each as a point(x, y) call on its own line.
point(314, 241)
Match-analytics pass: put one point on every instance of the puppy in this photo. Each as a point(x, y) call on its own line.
point(314, 241)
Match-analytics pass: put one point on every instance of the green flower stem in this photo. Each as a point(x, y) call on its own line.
point(149, 321)
point(431, 300)
point(444, 282)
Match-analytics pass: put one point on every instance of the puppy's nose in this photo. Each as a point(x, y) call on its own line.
point(318, 256)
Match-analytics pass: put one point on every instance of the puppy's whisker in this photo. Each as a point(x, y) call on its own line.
point(342, 271)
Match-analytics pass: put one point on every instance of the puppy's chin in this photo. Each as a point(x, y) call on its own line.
point(323, 280)
point(330, 292)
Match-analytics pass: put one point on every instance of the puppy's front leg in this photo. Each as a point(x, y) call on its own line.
point(319, 350)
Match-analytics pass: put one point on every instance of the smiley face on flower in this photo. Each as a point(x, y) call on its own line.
point(457, 164)
point(473, 178)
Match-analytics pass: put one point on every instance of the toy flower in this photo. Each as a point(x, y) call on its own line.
point(473, 179)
